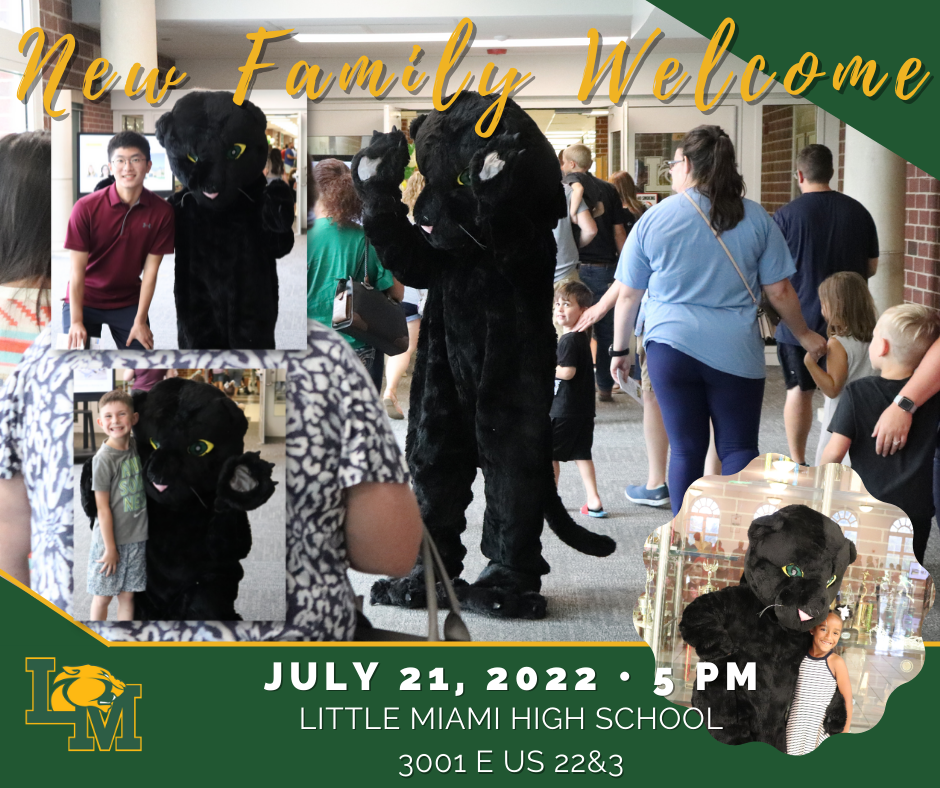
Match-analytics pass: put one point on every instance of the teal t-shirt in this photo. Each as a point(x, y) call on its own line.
point(333, 253)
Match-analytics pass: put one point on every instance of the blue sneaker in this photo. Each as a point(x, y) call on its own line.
point(637, 493)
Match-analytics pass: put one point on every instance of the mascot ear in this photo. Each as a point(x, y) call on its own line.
point(256, 114)
point(164, 127)
point(140, 401)
point(415, 125)
point(239, 421)
point(762, 526)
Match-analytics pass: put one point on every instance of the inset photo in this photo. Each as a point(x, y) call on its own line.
point(182, 228)
point(785, 603)
point(180, 513)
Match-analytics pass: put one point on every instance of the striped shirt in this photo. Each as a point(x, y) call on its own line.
point(19, 323)
point(815, 688)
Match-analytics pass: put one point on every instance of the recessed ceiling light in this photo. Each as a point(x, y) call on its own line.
point(425, 38)
point(775, 501)
point(695, 492)
point(778, 486)
point(784, 465)
point(866, 507)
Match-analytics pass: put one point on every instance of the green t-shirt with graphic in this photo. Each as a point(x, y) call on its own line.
point(119, 473)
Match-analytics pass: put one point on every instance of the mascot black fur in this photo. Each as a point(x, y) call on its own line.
point(230, 226)
point(199, 482)
point(482, 245)
point(793, 570)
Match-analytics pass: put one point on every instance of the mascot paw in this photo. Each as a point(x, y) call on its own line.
point(836, 715)
point(277, 209)
point(381, 165)
point(409, 591)
point(491, 167)
point(245, 483)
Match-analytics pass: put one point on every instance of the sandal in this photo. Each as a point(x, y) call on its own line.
point(593, 512)
point(392, 408)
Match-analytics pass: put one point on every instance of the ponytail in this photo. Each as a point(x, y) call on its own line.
point(711, 156)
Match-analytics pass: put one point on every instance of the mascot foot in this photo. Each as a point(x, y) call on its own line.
point(500, 592)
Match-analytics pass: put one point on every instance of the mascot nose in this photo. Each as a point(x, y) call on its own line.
point(803, 616)
point(427, 228)
point(162, 487)
point(211, 195)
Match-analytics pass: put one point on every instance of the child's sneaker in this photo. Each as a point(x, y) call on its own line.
point(638, 493)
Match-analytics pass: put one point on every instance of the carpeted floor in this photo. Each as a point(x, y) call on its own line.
point(592, 599)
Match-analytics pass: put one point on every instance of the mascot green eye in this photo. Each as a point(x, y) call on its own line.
point(201, 448)
point(155, 444)
point(192, 157)
point(463, 178)
point(235, 151)
point(792, 570)
point(831, 581)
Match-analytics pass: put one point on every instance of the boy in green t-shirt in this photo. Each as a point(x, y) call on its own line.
point(120, 538)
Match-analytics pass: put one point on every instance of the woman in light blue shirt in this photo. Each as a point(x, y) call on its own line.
point(703, 345)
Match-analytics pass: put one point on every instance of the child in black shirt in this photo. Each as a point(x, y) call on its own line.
point(901, 338)
point(573, 407)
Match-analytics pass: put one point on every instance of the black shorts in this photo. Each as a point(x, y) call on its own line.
point(572, 438)
point(795, 372)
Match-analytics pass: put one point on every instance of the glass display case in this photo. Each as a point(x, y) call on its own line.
point(888, 593)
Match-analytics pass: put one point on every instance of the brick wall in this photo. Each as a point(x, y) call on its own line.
point(777, 157)
point(600, 136)
point(55, 19)
point(922, 239)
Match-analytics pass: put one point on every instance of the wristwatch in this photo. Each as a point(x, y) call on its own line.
point(905, 404)
point(618, 353)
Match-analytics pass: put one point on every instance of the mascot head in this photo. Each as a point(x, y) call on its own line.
point(445, 142)
point(216, 147)
point(84, 686)
point(186, 432)
point(795, 562)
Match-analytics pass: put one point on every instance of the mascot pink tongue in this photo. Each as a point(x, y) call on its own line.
point(483, 247)
point(231, 226)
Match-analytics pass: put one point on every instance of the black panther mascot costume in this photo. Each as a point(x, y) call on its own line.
point(482, 245)
point(230, 226)
point(793, 569)
point(199, 482)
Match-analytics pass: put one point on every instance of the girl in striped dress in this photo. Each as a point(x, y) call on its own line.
point(822, 673)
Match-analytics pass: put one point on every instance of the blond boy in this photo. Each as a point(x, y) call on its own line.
point(901, 338)
point(117, 561)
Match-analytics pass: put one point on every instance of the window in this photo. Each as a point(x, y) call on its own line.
point(849, 524)
point(13, 15)
point(764, 509)
point(900, 544)
point(15, 19)
point(132, 123)
point(704, 520)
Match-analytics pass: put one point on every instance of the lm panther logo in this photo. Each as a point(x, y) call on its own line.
point(101, 709)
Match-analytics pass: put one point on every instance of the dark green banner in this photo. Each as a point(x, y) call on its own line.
point(482, 711)
point(888, 34)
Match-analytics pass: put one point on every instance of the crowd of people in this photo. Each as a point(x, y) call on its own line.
point(684, 277)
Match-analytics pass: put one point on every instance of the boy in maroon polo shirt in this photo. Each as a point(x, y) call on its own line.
point(114, 234)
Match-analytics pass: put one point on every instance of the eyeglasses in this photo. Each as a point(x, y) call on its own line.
point(673, 163)
point(135, 161)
